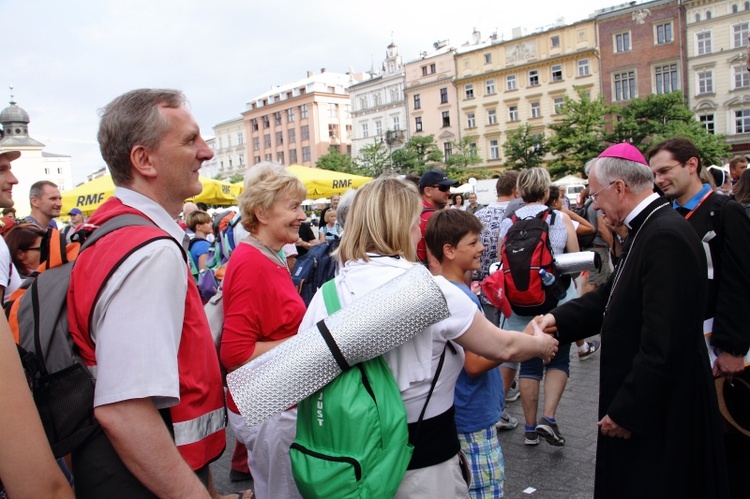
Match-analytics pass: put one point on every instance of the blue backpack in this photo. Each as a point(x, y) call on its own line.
point(313, 269)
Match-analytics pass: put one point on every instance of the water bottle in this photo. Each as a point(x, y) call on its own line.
point(549, 281)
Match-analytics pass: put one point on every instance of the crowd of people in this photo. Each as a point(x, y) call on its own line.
point(663, 303)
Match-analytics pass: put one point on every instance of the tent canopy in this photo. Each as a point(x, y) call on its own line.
point(89, 196)
point(570, 180)
point(322, 183)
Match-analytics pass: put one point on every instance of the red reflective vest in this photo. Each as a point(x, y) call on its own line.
point(200, 417)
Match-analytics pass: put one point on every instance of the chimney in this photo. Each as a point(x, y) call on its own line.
point(309, 74)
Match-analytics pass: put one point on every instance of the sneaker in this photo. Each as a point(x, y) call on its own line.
point(531, 438)
point(507, 422)
point(513, 393)
point(549, 431)
point(592, 347)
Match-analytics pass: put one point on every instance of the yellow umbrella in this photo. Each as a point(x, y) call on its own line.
point(89, 196)
point(237, 188)
point(325, 183)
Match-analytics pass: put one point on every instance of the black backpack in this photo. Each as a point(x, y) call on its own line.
point(586, 241)
point(314, 268)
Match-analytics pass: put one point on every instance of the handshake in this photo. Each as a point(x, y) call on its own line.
point(543, 328)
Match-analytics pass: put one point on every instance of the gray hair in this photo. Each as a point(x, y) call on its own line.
point(130, 120)
point(37, 188)
point(345, 202)
point(637, 176)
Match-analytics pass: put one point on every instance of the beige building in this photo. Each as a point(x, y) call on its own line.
point(504, 84)
point(431, 103)
point(230, 150)
point(296, 123)
point(718, 79)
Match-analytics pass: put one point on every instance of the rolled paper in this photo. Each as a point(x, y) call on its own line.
point(370, 326)
point(570, 263)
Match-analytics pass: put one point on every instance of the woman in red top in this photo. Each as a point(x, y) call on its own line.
point(262, 308)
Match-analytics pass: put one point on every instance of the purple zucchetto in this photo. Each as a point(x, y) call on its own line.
point(624, 151)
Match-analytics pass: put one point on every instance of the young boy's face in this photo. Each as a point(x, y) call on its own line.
point(467, 252)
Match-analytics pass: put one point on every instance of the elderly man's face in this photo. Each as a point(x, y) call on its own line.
point(606, 198)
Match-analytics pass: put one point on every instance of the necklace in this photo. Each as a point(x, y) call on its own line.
point(627, 256)
point(274, 255)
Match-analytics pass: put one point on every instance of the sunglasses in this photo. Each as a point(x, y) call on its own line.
point(441, 188)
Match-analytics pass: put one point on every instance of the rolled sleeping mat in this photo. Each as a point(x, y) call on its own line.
point(571, 263)
point(370, 326)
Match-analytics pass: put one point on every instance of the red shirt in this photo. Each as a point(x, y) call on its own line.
point(260, 304)
point(427, 211)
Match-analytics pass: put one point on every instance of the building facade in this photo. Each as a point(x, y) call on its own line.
point(378, 106)
point(230, 149)
point(718, 79)
point(34, 164)
point(296, 123)
point(504, 84)
point(430, 96)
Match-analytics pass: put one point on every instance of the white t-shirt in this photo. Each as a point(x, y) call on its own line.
point(414, 363)
point(9, 277)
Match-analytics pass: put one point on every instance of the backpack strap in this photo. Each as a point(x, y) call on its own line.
point(333, 304)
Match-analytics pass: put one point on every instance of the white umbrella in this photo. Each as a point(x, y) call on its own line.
point(463, 189)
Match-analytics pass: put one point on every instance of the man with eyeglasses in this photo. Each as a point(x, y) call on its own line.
point(435, 189)
point(724, 229)
point(659, 422)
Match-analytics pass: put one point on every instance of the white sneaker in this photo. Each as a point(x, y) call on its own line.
point(507, 422)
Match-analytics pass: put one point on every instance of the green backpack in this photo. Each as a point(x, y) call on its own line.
point(352, 435)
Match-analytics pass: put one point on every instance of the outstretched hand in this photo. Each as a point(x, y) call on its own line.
point(548, 344)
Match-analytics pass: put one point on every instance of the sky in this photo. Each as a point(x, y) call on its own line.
point(66, 60)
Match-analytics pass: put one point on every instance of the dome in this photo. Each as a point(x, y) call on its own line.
point(14, 114)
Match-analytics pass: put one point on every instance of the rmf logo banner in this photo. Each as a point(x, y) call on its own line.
point(89, 199)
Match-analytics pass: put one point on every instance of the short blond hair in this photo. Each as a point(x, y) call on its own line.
point(533, 184)
point(263, 185)
point(380, 221)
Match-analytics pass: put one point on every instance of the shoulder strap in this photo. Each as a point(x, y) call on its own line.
point(331, 297)
point(113, 224)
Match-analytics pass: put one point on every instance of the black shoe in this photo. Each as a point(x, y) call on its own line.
point(549, 431)
point(239, 476)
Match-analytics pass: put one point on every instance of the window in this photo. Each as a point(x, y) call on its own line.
point(303, 112)
point(396, 123)
point(269, 157)
point(705, 82)
point(557, 74)
point(492, 117)
point(487, 60)
point(622, 42)
point(489, 87)
point(418, 124)
point(305, 132)
point(741, 77)
point(734, 9)
point(279, 138)
point(510, 82)
point(292, 156)
point(277, 116)
point(365, 130)
point(290, 115)
point(306, 153)
point(554, 41)
point(533, 77)
point(417, 101)
point(708, 15)
point(703, 41)
point(266, 121)
point(280, 157)
point(256, 160)
point(625, 85)
point(559, 102)
point(469, 91)
point(448, 148)
point(333, 130)
point(698, 18)
point(46, 171)
point(742, 121)
point(513, 113)
point(536, 110)
point(378, 128)
point(267, 140)
point(446, 118)
point(494, 149)
point(739, 35)
point(256, 143)
point(254, 123)
point(432, 68)
point(240, 139)
point(666, 78)
point(707, 120)
point(470, 121)
point(664, 33)
point(428, 70)
point(229, 141)
point(583, 67)
point(292, 135)
point(444, 96)
point(333, 110)
point(473, 147)
point(230, 163)
point(348, 132)
point(378, 99)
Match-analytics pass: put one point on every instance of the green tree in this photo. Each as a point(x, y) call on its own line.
point(641, 119)
point(713, 148)
point(236, 178)
point(217, 176)
point(464, 153)
point(374, 159)
point(524, 149)
point(579, 134)
point(336, 161)
point(418, 155)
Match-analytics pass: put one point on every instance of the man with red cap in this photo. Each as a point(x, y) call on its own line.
point(659, 427)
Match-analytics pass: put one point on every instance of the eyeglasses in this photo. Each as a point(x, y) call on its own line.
point(593, 196)
point(35, 248)
point(441, 188)
point(661, 172)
